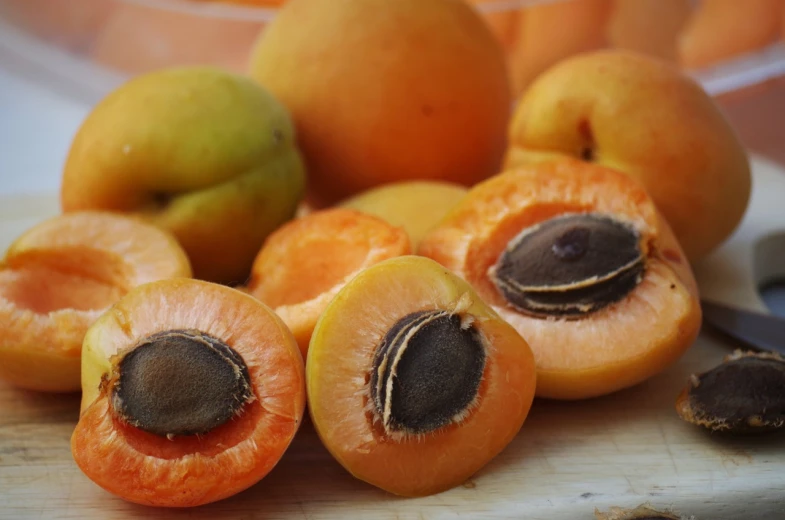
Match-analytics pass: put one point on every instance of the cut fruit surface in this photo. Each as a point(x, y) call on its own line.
point(596, 323)
point(192, 392)
point(59, 276)
point(303, 264)
point(382, 373)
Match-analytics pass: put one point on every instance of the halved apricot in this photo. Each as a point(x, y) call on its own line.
point(578, 259)
point(192, 391)
point(413, 382)
point(59, 276)
point(305, 262)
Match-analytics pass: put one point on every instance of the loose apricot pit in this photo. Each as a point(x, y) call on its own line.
point(743, 394)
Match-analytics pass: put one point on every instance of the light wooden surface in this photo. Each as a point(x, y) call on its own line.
point(569, 458)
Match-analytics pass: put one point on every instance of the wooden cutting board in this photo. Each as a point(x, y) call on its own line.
point(570, 458)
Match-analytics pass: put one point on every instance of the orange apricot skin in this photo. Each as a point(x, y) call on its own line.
point(470, 240)
point(434, 105)
point(194, 470)
point(434, 462)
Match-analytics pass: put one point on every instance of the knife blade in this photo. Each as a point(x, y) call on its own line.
point(757, 330)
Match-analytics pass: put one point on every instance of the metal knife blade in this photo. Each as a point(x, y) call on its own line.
point(758, 330)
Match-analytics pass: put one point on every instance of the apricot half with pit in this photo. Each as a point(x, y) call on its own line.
point(59, 276)
point(413, 382)
point(192, 392)
point(577, 258)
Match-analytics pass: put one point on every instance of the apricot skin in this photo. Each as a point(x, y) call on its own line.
point(393, 91)
point(416, 206)
point(205, 154)
point(646, 118)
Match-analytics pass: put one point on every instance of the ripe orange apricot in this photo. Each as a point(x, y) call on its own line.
point(192, 391)
point(578, 259)
point(392, 91)
point(413, 382)
point(306, 261)
point(59, 276)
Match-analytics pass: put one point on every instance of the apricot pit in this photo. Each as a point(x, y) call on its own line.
point(743, 394)
point(210, 379)
point(570, 265)
point(426, 372)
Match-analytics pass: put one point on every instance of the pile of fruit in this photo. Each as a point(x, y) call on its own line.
point(361, 224)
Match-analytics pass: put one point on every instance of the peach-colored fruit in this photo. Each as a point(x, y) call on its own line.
point(391, 91)
point(209, 155)
point(645, 117)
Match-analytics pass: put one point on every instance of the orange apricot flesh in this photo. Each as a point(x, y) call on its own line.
point(188, 470)
point(304, 263)
point(340, 371)
point(59, 276)
point(613, 347)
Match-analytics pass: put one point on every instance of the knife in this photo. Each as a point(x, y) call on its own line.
point(756, 329)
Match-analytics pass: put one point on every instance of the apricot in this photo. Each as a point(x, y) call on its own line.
point(648, 26)
point(578, 260)
point(59, 276)
point(392, 91)
point(552, 31)
point(305, 263)
point(645, 117)
point(722, 29)
point(503, 21)
point(413, 382)
point(642, 512)
point(416, 206)
point(191, 393)
point(208, 155)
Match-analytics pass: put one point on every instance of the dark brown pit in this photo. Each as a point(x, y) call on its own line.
point(180, 382)
point(744, 394)
point(426, 372)
point(570, 265)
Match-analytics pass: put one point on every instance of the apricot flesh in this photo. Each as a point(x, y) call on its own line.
point(305, 262)
point(391, 92)
point(604, 348)
point(59, 276)
point(208, 155)
point(185, 469)
point(339, 370)
point(647, 118)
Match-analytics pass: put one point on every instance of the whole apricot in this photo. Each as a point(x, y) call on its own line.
point(416, 206)
point(206, 154)
point(386, 91)
point(645, 117)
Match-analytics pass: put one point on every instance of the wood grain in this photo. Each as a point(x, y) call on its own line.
point(569, 458)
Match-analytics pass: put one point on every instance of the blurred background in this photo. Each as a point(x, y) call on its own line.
point(58, 57)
